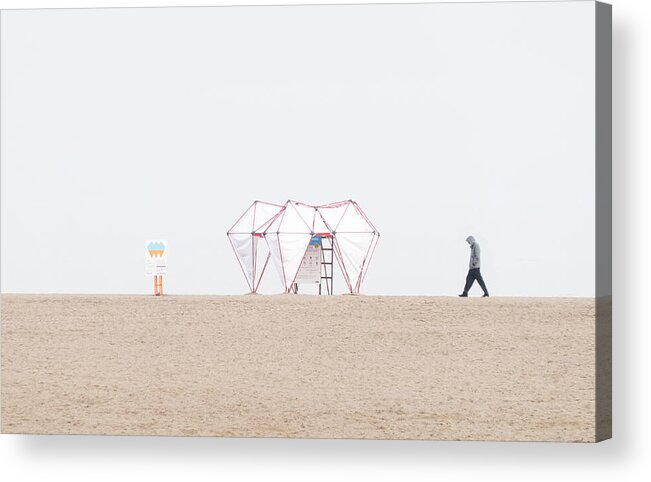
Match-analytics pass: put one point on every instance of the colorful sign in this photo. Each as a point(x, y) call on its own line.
point(156, 257)
point(310, 270)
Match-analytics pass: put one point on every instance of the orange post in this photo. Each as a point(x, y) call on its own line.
point(158, 285)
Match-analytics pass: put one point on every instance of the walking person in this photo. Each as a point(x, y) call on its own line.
point(473, 272)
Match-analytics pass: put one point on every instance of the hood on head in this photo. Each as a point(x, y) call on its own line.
point(470, 240)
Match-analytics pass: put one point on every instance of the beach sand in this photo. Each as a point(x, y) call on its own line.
point(300, 366)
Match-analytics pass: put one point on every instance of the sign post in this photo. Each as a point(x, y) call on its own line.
point(156, 263)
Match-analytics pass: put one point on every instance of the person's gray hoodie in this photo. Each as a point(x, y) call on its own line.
point(475, 252)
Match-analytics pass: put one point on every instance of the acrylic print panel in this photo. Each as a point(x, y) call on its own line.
point(440, 121)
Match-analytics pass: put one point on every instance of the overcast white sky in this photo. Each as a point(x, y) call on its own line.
point(122, 125)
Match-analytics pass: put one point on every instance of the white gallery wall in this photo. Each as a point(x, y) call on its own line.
point(442, 121)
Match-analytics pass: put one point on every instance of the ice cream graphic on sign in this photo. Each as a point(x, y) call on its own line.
point(156, 248)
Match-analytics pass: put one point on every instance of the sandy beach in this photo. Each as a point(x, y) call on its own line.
point(300, 366)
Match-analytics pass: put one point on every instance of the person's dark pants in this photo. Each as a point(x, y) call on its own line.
point(474, 274)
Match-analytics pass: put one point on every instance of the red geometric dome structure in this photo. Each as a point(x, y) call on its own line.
point(288, 229)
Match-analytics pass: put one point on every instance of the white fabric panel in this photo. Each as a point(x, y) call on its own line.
point(261, 252)
point(274, 225)
point(263, 228)
point(353, 222)
point(293, 247)
point(365, 217)
point(376, 238)
point(354, 248)
point(319, 224)
point(274, 250)
point(263, 213)
point(306, 213)
point(292, 221)
point(244, 225)
point(332, 216)
point(338, 257)
point(243, 245)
